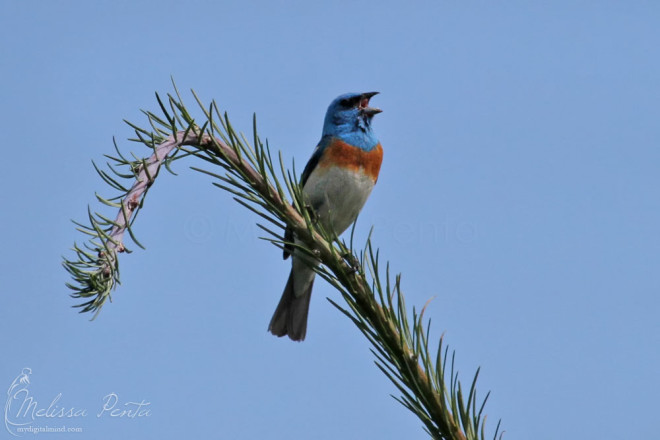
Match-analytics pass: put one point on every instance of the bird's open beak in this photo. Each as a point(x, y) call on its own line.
point(364, 104)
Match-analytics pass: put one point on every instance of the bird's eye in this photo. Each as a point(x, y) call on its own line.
point(350, 102)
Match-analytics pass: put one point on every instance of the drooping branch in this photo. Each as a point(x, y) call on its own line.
point(373, 303)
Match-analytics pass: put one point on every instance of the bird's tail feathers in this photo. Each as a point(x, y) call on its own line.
point(290, 317)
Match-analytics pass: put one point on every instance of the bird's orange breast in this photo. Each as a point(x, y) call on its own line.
point(341, 154)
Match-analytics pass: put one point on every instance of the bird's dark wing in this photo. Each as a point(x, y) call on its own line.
point(314, 160)
point(311, 165)
point(288, 238)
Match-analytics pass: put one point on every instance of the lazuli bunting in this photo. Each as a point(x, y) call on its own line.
point(336, 183)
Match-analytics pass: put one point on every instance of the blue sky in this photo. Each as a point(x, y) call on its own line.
point(519, 188)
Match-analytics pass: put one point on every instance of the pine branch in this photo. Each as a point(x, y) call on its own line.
point(373, 302)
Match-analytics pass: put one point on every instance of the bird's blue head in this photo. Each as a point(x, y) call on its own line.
point(349, 117)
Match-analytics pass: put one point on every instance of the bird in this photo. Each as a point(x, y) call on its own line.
point(336, 183)
point(17, 395)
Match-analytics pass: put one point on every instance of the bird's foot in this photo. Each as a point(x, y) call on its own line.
point(312, 214)
point(352, 261)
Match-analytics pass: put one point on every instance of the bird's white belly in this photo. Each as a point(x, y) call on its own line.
point(337, 195)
